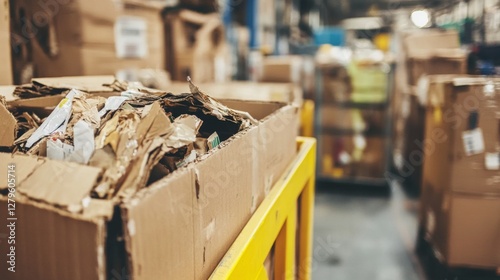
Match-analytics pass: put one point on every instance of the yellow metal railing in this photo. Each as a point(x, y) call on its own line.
point(283, 218)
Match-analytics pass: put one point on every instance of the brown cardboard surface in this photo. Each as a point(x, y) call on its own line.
point(211, 200)
point(55, 182)
point(425, 42)
point(6, 75)
point(24, 166)
point(464, 231)
point(281, 69)
point(417, 67)
point(9, 127)
point(161, 243)
point(474, 232)
point(52, 244)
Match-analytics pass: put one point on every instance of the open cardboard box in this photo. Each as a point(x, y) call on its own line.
point(178, 227)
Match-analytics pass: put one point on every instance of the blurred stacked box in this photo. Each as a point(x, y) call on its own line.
point(423, 53)
point(85, 37)
point(196, 47)
point(460, 198)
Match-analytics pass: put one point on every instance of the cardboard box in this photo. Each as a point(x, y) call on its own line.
point(282, 69)
point(197, 47)
point(6, 75)
point(90, 37)
point(461, 135)
point(432, 52)
point(464, 229)
point(435, 65)
point(180, 226)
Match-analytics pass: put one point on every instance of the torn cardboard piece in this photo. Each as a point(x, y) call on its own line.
point(55, 183)
point(8, 126)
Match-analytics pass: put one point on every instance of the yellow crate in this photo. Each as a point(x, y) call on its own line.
point(276, 223)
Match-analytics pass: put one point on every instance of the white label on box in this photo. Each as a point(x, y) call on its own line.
point(131, 37)
point(492, 161)
point(473, 141)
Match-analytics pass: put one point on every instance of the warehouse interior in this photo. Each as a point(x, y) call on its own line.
point(250, 139)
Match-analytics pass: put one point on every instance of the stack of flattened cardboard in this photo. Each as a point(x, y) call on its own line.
point(91, 37)
point(115, 179)
point(461, 181)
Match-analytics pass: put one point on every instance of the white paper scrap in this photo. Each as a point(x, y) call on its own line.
point(59, 116)
point(473, 141)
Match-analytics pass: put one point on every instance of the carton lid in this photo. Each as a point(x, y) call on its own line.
point(60, 183)
point(84, 83)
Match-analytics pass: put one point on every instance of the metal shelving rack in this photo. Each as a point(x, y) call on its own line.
point(385, 133)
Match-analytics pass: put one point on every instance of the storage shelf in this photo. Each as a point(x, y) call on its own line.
point(359, 181)
point(380, 103)
point(351, 132)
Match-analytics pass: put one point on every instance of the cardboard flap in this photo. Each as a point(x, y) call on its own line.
point(165, 233)
point(24, 166)
point(8, 92)
point(84, 83)
point(60, 183)
point(8, 127)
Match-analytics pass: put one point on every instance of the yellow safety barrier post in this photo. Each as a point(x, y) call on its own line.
point(289, 204)
point(307, 119)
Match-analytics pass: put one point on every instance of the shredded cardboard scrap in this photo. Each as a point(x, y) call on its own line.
point(111, 146)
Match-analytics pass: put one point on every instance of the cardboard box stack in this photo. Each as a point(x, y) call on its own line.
point(196, 47)
point(90, 37)
point(461, 183)
point(424, 53)
point(115, 180)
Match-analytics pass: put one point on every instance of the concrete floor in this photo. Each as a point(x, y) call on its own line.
point(360, 236)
